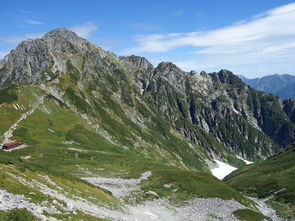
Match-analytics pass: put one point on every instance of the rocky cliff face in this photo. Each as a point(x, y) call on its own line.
point(210, 109)
point(215, 110)
point(289, 108)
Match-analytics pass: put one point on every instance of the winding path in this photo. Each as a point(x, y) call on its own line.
point(9, 133)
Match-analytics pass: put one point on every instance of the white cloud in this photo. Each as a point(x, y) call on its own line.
point(84, 30)
point(266, 38)
point(33, 22)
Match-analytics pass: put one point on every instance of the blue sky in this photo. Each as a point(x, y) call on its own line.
point(252, 38)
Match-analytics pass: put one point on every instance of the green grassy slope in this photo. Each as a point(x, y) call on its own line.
point(274, 178)
point(62, 145)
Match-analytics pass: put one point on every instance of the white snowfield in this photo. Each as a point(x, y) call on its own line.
point(246, 161)
point(222, 170)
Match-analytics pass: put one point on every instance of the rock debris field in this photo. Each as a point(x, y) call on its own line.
point(158, 209)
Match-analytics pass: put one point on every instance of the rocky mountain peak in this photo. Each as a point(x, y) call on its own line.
point(203, 73)
point(172, 74)
point(139, 62)
point(33, 58)
point(226, 76)
point(168, 68)
point(66, 40)
point(26, 63)
point(61, 33)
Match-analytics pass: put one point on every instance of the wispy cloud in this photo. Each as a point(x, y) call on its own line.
point(24, 18)
point(173, 14)
point(33, 22)
point(178, 13)
point(84, 30)
point(266, 37)
point(142, 26)
point(24, 11)
point(18, 38)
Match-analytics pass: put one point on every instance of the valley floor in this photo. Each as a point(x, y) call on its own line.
point(69, 204)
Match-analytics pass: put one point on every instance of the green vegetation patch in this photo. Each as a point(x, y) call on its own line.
point(73, 72)
point(78, 101)
point(273, 177)
point(8, 95)
point(80, 216)
point(184, 185)
point(249, 215)
point(17, 215)
point(285, 210)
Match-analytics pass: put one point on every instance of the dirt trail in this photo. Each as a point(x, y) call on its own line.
point(266, 209)
point(9, 133)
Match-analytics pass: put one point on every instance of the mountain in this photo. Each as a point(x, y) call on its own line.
point(280, 85)
point(287, 92)
point(109, 137)
point(273, 178)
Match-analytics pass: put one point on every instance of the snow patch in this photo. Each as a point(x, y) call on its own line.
point(26, 157)
point(70, 142)
point(167, 185)
point(222, 170)
point(246, 161)
point(45, 110)
point(152, 193)
point(50, 130)
point(235, 110)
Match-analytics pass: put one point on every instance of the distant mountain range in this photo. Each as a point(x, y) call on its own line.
point(281, 85)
